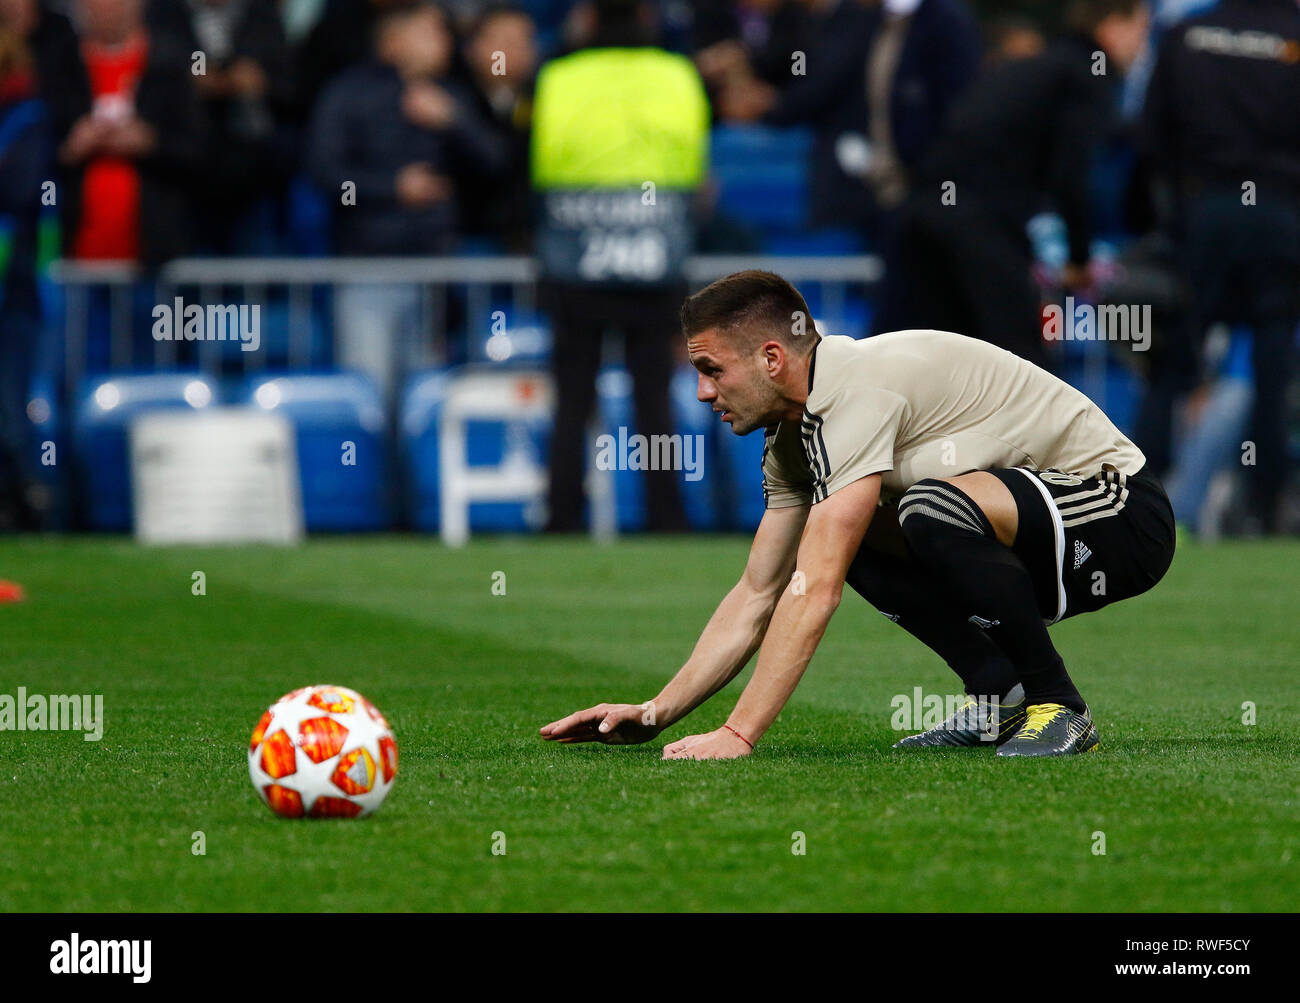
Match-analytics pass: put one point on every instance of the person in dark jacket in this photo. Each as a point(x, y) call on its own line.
point(247, 94)
point(1018, 142)
point(61, 84)
point(501, 53)
point(1221, 132)
point(922, 57)
point(823, 87)
point(733, 42)
point(140, 145)
point(877, 84)
point(620, 147)
point(52, 43)
point(342, 38)
point(391, 144)
point(26, 162)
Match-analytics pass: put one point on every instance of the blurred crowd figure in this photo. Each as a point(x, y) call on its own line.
point(1018, 140)
point(939, 128)
point(1221, 136)
point(397, 138)
point(614, 232)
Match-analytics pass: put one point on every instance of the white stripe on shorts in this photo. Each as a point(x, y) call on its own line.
point(1060, 541)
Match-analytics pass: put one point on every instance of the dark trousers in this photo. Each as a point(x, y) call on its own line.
point(963, 268)
point(1242, 264)
point(20, 329)
point(647, 320)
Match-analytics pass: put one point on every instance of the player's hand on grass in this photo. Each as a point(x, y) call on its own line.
point(611, 723)
point(721, 744)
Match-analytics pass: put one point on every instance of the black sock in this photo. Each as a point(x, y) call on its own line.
point(950, 535)
point(906, 592)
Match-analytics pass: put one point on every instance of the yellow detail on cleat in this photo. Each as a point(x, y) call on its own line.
point(1040, 716)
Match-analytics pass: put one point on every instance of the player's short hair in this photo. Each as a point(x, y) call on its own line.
point(753, 307)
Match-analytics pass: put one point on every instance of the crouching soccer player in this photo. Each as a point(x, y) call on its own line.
point(968, 495)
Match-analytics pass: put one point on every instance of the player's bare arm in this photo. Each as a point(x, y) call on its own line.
point(831, 538)
point(729, 640)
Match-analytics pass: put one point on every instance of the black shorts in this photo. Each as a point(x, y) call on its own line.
point(1092, 541)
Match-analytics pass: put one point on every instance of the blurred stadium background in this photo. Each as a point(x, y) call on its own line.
point(217, 189)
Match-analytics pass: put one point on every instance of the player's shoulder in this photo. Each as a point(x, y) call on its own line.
point(843, 363)
point(913, 339)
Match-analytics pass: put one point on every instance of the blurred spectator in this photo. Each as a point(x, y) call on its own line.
point(502, 55)
point(874, 80)
point(550, 17)
point(735, 42)
point(822, 86)
point(343, 37)
point(55, 60)
point(299, 17)
point(247, 95)
point(141, 142)
point(1013, 38)
point(620, 146)
point(392, 143)
point(1210, 446)
point(1222, 130)
point(25, 164)
point(923, 54)
point(1023, 134)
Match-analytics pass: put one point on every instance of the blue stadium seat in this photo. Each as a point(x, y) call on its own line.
point(690, 417)
point(487, 442)
point(418, 436)
point(507, 334)
point(104, 409)
point(849, 314)
point(343, 487)
point(762, 174)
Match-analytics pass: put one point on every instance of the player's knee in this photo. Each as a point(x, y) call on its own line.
point(931, 512)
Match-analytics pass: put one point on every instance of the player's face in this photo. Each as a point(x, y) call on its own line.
point(736, 386)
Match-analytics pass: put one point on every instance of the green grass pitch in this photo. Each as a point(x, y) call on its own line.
point(1199, 811)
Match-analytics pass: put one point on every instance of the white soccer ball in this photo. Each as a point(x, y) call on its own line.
point(322, 752)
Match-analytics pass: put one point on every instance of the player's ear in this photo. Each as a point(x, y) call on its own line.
point(774, 358)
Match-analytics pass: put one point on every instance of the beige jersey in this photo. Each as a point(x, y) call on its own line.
point(915, 404)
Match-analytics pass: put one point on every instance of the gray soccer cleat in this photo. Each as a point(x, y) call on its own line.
point(975, 722)
point(1052, 730)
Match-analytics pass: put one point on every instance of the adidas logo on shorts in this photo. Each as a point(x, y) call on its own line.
point(1081, 554)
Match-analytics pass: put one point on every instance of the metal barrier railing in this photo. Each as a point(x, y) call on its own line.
point(113, 287)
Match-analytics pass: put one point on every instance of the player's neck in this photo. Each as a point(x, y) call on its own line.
point(797, 388)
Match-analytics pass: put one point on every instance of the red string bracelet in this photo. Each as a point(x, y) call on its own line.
point(739, 735)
